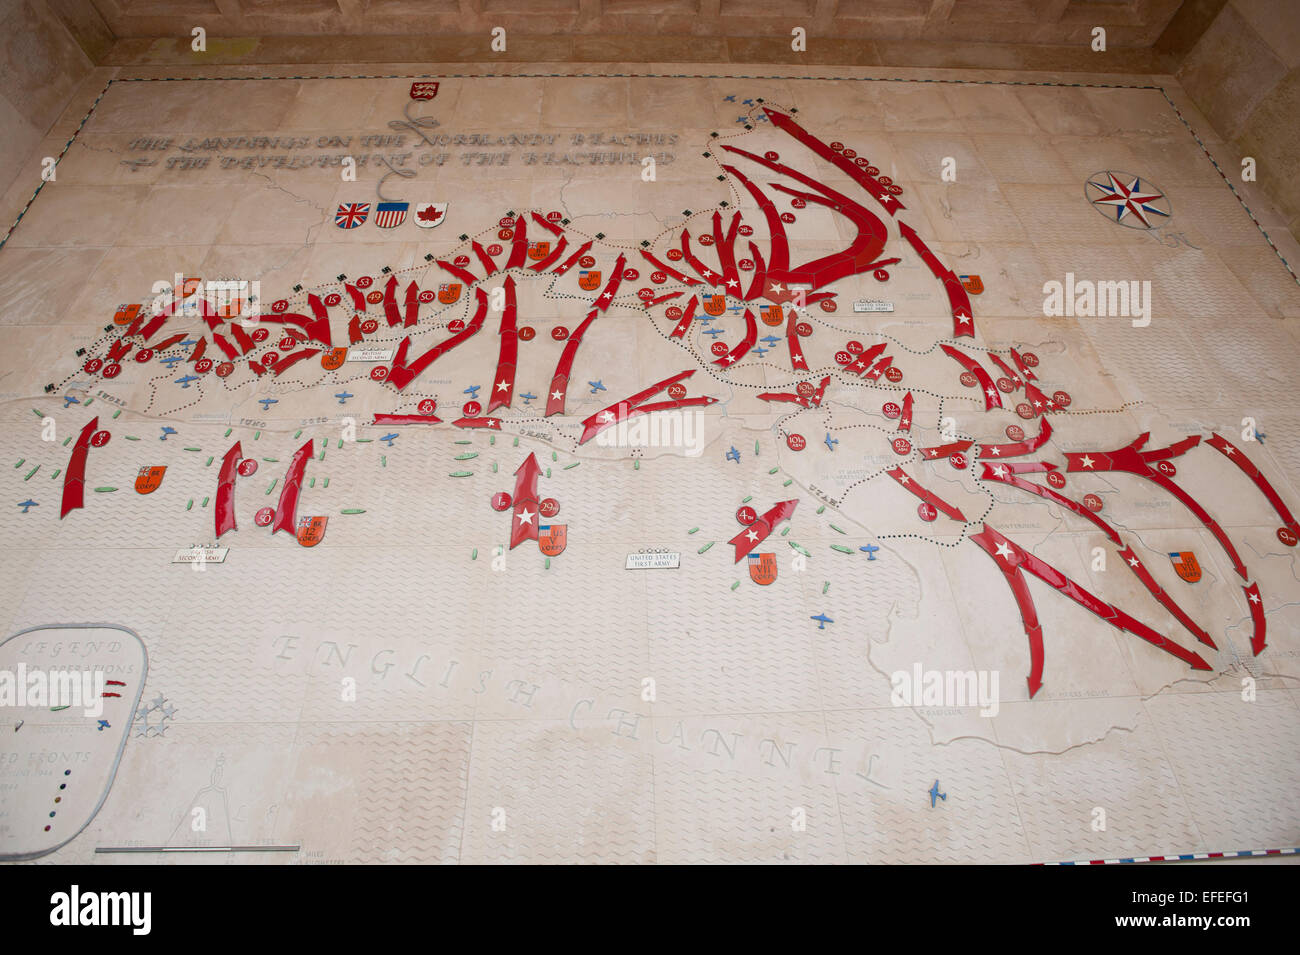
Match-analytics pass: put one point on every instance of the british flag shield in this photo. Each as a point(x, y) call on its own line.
point(424, 90)
point(351, 214)
point(389, 215)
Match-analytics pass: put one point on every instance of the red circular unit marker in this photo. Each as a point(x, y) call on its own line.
point(674, 255)
point(143, 355)
point(279, 305)
point(1056, 479)
point(260, 335)
point(369, 326)
point(1092, 502)
point(1286, 536)
point(893, 375)
point(425, 296)
point(843, 358)
point(1015, 432)
point(803, 329)
point(805, 389)
point(471, 409)
point(501, 500)
point(378, 373)
point(828, 305)
point(677, 391)
point(891, 410)
point(456, 326)
point(224, 370)
point(926, 511)
point(1062, 399)
point(332, 299)
point(494, 249)
point(746, 515)
point(264, 517)
point(99, 439)
point(1006, 385)
point(247, 467)
point(795, 442)
point(587, 261)
point(559, 333)
point(1024, 410)
point(968, 379)
point(527, 333)
point(659, 278)
point(286, 343)
point(549, 507)
point(787, 217)
point(375, 297)
point(902, 446)
point(365, 282)
point(92, 365)
point(856, 347)
point(1030, 359)
point(427, 406)
point(631, 275)
point(719, 348)
point(957, 460)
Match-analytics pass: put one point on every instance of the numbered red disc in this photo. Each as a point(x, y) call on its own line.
point(746, 515)
point(1024, 410)
point(1030, 359)
point(743, 230)
point(1015, 432)
point(837, 146)
point(798, 203)
point(1092, 502)
point(1061, 398)
point(1006, 385)
point(224, 370)
point(673, 312)
point(631, 275)
point(505, 235)
point(677, 391)
point(659, 278)
point(270, 358)
point(902, 446)
point(1056, 479)
point(674, 255)
point(891, 410)
point(260, 335)
point(957, 460)
point(746, 265)
point(719, 348)
point(471, 409)
point(787, 217)
point(143, 355)
point(264, 517)
point(850, 153)
point(456, 326)
point(332, 299)
point(926, 511)
point(375, 297)
point(494, 249)
point(872, 170)
point(506, 222)
point(460, 261)
point(828, 305)
point(1286, 536)
point(99, 439)
point(559, 333)
point(1166, 468)
point(425, 297)
point(771, 156)
point(893, 375)
point(369, 326)
point(501, 500)
point(645, 294)
point(862, 163)
point(805, 389)
point(587, 261)
point(843, 358)
point(527, 333)
point(803, 329)
point(795, 442)
point(365, 282)
point(968, 379)
point(247, 467)
point(553, 216)
point(886, 181)
point(854, 347)
point(549, 507)
point(286, 343)
point(279, 305)
point(379, 373)
point(427, 406)
point(706, 239)
point(92, 366)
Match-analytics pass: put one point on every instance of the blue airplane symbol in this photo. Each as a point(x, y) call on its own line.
point(185, 382)
point(189, 343)
point(103, 725)
point(733, 454)
point(736, 309)
point(762, 117)
point(870, 550)
point(69, 401)
point(831, 442)
point(748, 102)
point(472, 391)
point(822, 621)
point(267, 402)
point(715, 332)
point(935, 794)
point(742, 119)
point(771, 340)
point(760, 351)
point(389, 438)
point(1260, 436)
point(527, 397)
point(343, 397)
point(729, 99)
point(166, 430)
point(705, 318)
point(28, 503)
point(171, 360)
point(596, 386)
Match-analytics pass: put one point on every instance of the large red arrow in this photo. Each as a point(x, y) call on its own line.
point(401, 374)
point(74, 475)
point(757, 532)
point(910, 484)
point(525, 518)
point(224, 515)
point(1237, 457)
point(503, 382)
point(286, 511)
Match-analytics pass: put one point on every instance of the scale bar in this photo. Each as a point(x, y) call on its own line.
point(106, 849)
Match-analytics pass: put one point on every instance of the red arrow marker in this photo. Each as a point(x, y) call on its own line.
point(493, 424)
point(401, 374)
point(797, 361)
point(631, 407)
point(757, 532)
point(1020, 447)
point(503, 383)
point(847, 166)
point(905, 420)
point(519, 246)
point(546, 224)
point(525, 517)
point(74, 475)
point(358, 297)
point(391, 313)
point(489, 266)
point(1256, 604)
point(744, 345)
point(684, 324)
point(224, 515)
point(1006, 370)
point(286, 512)
point(1238, 457)
point(1140, 571)
point(1004, 474)
point(464, 275)
point(942, 451)
point(572, 260)
point(550, 260)
point(991, 397)
point(407, 419)
point(910, 484)
point(668, 270)
point(1025, 370)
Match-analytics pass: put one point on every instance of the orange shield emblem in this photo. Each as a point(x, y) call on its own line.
point(972, 284)
point(311, 530)
point(448, 292)
point(762, 568)
point(1185, 563)
point(772, 315)
point(539, 250)
point(551, 538)
point(126, 314)
point(589, 280)
point(715, 304)
point(333, 358)
point(148, 479)
point(189, 286)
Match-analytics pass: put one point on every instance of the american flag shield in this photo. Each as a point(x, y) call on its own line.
point(389, 215)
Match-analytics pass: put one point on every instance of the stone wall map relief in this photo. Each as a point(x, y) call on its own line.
point(646, 469)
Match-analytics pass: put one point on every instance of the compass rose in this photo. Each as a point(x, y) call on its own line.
point(1132, 202)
